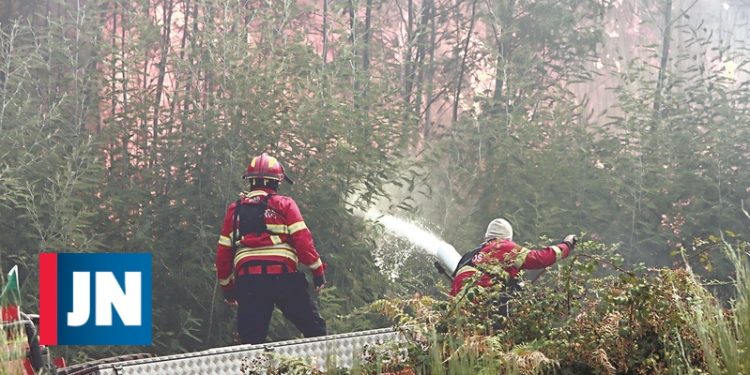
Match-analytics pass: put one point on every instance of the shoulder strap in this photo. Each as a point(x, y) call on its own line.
point(267, 198)
point(235, 219)
point(264, 202)
point(249, 216)
point(468, 258)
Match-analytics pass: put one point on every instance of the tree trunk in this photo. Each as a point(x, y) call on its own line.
point(352, 23)
point(427, 126)
point(664, 60)
point(188, 99)
point(325, 32)
point(113, 65)
point(353, 41)
point(408, 73)
point(462, 68)
point(421, 52)
point(165, 44)
point(183, 47)
point(504, 49)
point(366, 37)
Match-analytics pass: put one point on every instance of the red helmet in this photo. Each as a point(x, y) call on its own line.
point(266, 167)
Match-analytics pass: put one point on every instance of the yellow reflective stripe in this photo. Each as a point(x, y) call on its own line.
point(558, 252)
point(282, 250)
point(227, 281)
point(283, 246)
point(521, 257)
point(276, 240)
point(252, 162)
point(466, 269)
point(296, 227)
point(316, 265)
point(225, 241)
point(278, 228)
point(254, 253)
point(255, 193)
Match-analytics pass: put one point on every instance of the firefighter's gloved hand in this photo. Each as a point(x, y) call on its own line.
point(571, 240)
point(319, 281)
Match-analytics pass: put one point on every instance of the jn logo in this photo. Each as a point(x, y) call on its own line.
point(95, 299)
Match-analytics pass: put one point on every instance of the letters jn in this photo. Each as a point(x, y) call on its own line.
point(109, 295)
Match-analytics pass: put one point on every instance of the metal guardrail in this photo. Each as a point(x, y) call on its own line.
point(338, 349)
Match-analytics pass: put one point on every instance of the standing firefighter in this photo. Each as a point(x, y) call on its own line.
point(498, 246)
point(261, 243)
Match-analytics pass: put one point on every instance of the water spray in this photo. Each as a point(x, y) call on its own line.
point(423, 239)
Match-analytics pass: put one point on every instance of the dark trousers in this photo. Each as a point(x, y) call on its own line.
point(258, 294)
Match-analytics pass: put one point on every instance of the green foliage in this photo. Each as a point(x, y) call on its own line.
point(723, 333)
point(588, 315)
point(14, 348)
point(276, 364)
point(649, 179)
point(113, 139)
point(675, 172)
point(124, 128)
point(523, 153)
point(13, 343)
point(49, 163)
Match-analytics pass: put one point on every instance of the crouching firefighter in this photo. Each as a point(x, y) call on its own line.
point(262, 241)
point(498, 246)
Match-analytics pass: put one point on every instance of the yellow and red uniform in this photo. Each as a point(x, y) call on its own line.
point(288, 241)
point(508, 253)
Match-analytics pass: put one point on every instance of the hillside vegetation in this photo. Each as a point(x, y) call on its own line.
point(125, 126)
point(588, 316)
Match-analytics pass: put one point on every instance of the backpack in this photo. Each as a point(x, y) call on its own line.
point(468, 259)
point(249, 218)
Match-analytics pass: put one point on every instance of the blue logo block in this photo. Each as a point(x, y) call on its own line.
point(95, 299)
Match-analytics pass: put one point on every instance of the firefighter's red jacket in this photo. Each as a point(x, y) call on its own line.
point(509, 253)
point(289, 240)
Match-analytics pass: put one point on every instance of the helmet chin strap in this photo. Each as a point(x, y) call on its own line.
point(286, 177)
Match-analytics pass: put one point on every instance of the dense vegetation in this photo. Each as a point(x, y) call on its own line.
point(124, 126)
point(588, 316)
